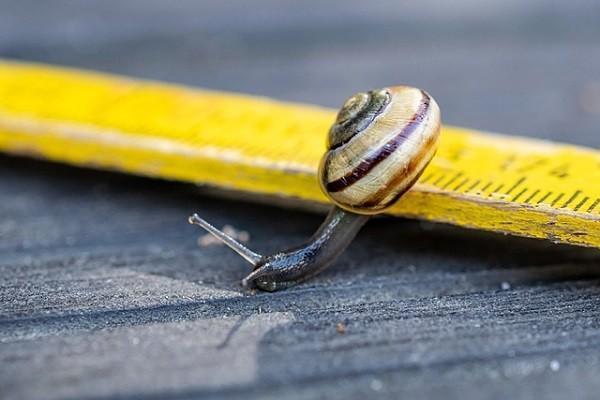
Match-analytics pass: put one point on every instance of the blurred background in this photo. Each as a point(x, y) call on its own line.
point(521, 67)
point(105, 294)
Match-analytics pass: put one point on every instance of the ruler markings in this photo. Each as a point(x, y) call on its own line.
point(529, 167)
point(561, 171)
point(581, 203)
point(427, 178)
point(455, 177)
point(474, 185)
point(573, 197)
point(483, 189)
point(438, 180)
point(540, 201)
point(527, 200)
point(513, 187)
point(99, 120)
point(498, 188)
point(461, 184)
point(560, 196)
point(594, 204)
point(521, 193)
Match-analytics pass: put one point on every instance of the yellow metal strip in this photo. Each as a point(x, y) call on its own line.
point(499, 183)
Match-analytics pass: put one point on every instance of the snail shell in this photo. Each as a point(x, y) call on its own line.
point(378, 146)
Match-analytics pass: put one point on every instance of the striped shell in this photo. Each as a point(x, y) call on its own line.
point(378, 147)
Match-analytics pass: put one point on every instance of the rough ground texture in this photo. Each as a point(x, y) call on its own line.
point(105, 294)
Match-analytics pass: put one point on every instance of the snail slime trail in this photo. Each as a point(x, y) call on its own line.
point(378, 147)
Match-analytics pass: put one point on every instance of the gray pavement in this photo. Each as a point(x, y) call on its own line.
point(105, 294)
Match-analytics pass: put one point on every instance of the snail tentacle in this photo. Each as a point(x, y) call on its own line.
point(377, 148)
point(247, 254)
point(287, 268)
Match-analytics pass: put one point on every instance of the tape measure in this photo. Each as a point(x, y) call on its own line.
point(260, 146)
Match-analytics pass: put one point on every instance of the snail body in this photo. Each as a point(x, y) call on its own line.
point(377, 148)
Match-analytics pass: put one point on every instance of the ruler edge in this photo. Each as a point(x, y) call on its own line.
point(442, 197)
point(419, 188)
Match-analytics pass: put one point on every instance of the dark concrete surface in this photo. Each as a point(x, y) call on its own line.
point(104, 292)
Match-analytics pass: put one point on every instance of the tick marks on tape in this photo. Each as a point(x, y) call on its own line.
point(377, 148)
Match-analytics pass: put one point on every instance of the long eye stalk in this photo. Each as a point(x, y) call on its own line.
point(286, 268)
point(248, 255)
point(377, 148)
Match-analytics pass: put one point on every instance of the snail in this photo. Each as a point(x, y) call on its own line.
point(377, 148)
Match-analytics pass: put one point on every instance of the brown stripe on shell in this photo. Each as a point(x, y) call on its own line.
point(369, 163)
point(375, 201)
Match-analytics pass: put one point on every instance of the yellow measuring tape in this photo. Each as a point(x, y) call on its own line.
point(499, 183)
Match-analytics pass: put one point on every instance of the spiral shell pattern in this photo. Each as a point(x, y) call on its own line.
point(378, 147)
